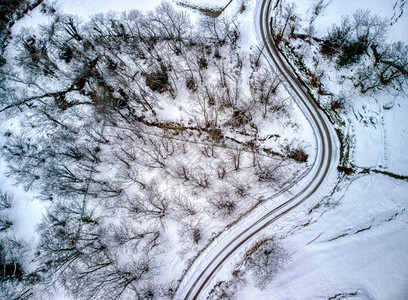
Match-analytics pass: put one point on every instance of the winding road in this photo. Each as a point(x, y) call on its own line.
point(196, 282)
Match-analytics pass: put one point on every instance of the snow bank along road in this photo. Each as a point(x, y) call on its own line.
point(314, 183)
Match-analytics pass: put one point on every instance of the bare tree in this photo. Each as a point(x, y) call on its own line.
point(389, 69)
point(220, 29)
point(172, 25)
point(264, 86)
point(228, 289)
point(265, 259)
point(222, 204)
point(90, 96)
point(151, 204)
point(199, 177)
point(190, 235)
point(285, 20)
point(354, 36)
point(235, 157)
point(75, 250)
point(207, 106)
point(156, 150)
point(184, 207)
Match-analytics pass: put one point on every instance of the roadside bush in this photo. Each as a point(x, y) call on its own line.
point(265, 259)
point(297, 154)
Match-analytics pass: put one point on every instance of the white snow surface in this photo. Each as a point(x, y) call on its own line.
point(372, 262)
point(370, 259)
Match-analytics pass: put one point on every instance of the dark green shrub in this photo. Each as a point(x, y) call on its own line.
point(351, 53)
point(158, 80)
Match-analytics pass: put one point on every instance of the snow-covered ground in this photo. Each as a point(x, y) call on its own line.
point(356, 244)
point(353, 244)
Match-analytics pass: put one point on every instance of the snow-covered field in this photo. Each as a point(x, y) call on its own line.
point(354, 244)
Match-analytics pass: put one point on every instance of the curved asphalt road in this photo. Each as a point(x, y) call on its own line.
point(325, 164)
